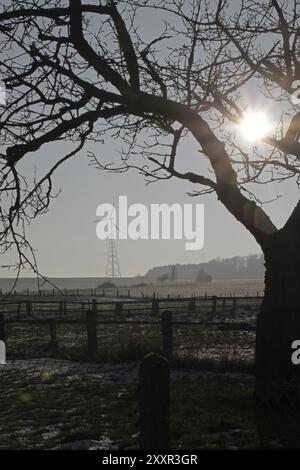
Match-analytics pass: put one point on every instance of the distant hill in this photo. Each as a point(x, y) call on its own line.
point(245, 267)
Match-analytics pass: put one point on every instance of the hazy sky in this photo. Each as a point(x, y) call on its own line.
point(65, 238)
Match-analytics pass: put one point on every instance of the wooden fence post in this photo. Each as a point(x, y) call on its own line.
point(191, 306)
point(233, 306)
point(118, 307)
point(91, 326)
point(65, 308)
point(52, 330)
point(19, 309)
point(2, 328)
point(28, 308)
point(214, 307)
point(167, 334)
point(155, 306)
point(154, 403)
point(60, 309)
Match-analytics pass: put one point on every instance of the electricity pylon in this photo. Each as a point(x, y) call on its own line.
point(112, 264)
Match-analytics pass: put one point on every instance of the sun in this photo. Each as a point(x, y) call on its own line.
point(255, 125)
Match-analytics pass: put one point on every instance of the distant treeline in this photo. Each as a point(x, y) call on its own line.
point(238, 267)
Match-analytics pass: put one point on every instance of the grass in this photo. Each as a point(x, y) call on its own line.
point(206, 346)
point(51, 410)
point(213, 414)
point(225, 365)
point(48, 409)
point(44, 418)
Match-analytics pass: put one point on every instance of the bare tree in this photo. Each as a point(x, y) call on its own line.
point(79, 72)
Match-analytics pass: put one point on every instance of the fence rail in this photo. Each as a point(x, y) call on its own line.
point(91, 322)
point(154, 304)
point(121, 292)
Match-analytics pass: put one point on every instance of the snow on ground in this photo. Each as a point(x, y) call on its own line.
point(124, 373)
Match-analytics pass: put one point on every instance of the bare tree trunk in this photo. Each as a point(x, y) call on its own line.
point(278, 323)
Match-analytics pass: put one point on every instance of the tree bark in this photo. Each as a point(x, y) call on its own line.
point(278, 322)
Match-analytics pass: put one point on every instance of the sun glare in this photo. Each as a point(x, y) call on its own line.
point(255, 125)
